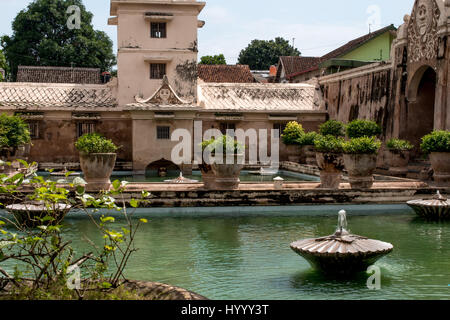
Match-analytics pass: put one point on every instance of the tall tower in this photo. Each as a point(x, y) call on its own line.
point(156, 38)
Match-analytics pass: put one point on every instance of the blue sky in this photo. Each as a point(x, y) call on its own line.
point(318, 26)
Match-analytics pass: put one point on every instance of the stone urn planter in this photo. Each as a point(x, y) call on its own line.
point(360, 168)
point(398, 162)
point(208, 176)
point(440, 161)
point(331, 166)
point(97, 169)
point(310, 154)
point(227, 174)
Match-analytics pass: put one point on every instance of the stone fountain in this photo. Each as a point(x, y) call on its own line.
point(341, 253)
point(30, 214)
point(181, 180)
point(64, 173)
point(437, 208)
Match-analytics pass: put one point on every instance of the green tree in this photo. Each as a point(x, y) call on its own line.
point(261, 54)
point(217, 59)
point(2, 64)
point(41, 36)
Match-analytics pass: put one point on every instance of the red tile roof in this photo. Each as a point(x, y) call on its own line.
point(293, 65)
point(225, 73)
point(39, 74)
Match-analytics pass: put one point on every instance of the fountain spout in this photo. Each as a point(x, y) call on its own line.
point(342, 222)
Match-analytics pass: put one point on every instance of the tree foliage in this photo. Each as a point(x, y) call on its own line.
point(41, 37)
point(2, 64)
point(13, 132)
point(212, 60)
point(261, 54)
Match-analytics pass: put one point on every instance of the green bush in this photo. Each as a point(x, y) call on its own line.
point(363, 128)
point(292, 133)
point(328, 144)
point(399, 145)
point(307, 139)
point(95, 143)
point(437, 141)
point(333, 128)
point(363, 145)
point(226, 143)
point(13, 132)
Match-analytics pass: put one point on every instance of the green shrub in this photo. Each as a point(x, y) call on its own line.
point(363, 128)
point(399, 145)
point(13, 132)
point(95, 143)
point(328, 144)
point(226, 143)
point(292, 133)
point(307, 139)
point(363, 145)
point(332, 128)
point(437, 141)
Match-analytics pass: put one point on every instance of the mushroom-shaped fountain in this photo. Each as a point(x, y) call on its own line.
point(342, 253)
point(181, 180)
point(30, 214)
point(64, 173)
point(437, 208)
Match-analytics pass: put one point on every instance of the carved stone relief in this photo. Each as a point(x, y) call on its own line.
point(422, 31)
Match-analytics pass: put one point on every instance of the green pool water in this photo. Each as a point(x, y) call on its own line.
point(239, 256)
point(246, 176)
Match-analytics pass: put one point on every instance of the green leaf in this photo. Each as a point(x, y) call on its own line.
point(106, 285)
point(116, 184)
point(134, 203)
point(107, 219)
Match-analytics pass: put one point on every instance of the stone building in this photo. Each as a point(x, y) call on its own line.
point(409, 95)
point(155, 94)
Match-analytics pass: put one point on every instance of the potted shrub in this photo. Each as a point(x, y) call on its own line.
point(226, 172)
point(360, 158)
point(14, 135)
point(399, 154)
point(291, 134)
point(332, 128)
point(329, 159)
point(208, 176)
point(97, 160)
point(437, 145)
point(306, 143)
point(362, 128)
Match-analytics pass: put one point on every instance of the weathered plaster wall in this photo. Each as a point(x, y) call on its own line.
point(362, 93)
point(137, 50)
point(58, 133)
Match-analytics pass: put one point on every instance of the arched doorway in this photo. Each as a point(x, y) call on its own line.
point(154, 169)
point(420, 109)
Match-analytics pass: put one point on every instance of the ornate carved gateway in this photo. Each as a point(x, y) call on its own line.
point(422, 31)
